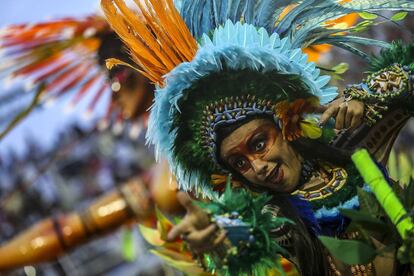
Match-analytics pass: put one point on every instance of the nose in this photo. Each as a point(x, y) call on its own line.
point(260, 167)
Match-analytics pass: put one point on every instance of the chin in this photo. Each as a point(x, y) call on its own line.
point(291, 180)
point(290, 189)
point(279, 188)
point(288, 185)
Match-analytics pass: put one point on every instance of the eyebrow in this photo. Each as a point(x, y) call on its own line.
point(249, 138)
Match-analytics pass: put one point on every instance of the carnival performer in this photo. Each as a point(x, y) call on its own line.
point(235, 101)
point(52, 58)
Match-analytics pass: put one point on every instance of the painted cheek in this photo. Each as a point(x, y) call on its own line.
point(248, 174)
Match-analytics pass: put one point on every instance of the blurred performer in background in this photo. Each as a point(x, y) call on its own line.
point(68, 56)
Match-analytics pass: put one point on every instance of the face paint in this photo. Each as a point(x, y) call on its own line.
point(258, 152)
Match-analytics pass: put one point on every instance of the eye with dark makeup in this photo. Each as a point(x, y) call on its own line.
point(239, 163)
point(258, 142)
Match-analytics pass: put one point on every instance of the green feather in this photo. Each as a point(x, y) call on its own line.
point(265, 252)
point(397, 53)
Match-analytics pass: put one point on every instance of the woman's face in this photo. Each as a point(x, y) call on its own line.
point(258, 152)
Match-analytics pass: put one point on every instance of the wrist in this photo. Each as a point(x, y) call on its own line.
point(381, 90)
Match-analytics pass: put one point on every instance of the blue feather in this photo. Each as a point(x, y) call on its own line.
point(303, 25)
point(312, 18)
point(306, 213)
point(380, 5)
point(353, 50)
point(267, 12)
point(288, 21)
point(216, 12)
point(355, 40)
point(202, 16)
point(249, 13)
point(223, 11)
point(232, 9)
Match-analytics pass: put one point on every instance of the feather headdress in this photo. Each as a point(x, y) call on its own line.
point(247, 58)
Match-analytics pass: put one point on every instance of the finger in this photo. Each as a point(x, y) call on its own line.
point(185, 200)
point(220, 238)
point(319, 109)
point(348, 118)
point(340, 117)
point(329, 113)
point(178, 230)
point(203, 237)
point(356, 120)
point(211, 245)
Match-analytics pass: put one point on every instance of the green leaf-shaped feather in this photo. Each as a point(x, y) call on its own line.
point(349, 251)
point(399, 16)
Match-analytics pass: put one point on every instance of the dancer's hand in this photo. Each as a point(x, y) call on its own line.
point(196, 228)
point(347, 114)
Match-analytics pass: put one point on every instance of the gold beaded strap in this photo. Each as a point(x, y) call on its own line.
point(339, 178)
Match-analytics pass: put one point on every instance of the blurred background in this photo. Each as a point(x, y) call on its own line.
point(60, 159)
point(42, 123)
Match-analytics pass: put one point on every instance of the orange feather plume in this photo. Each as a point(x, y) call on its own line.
point(156, 35)
point(315, 51)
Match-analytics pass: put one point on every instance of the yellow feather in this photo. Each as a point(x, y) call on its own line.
point(152, 236)
point(112, 62)
point(310, 129)
point(164, 225)
point(189, 267)
point(136, 46)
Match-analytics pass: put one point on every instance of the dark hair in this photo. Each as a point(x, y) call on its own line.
point(306, 247)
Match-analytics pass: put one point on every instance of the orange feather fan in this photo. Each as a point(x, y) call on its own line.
point(157, 36)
